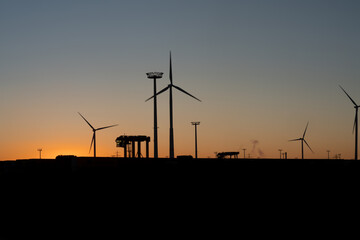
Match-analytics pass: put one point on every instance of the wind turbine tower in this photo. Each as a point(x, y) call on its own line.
point(170, 87)
point(355, 122)
point(93, 141)
point(302, 139)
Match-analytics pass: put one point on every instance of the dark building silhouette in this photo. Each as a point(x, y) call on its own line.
point(227, 154)
point(126, 142)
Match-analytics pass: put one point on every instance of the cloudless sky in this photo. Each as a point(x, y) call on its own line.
point(262, 69)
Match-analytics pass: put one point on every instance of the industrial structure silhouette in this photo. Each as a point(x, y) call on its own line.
point(154, 76)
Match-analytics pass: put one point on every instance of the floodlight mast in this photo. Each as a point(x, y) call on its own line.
point(40, 149)
point(155, 75)
point(196, 124)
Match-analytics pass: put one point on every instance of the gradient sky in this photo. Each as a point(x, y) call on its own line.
point(262, 69)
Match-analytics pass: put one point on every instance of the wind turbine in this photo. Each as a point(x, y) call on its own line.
point(302, 139)
point(170, 87)
point(355, 123)
point(93, 141)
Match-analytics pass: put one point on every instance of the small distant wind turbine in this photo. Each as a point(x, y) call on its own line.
point(355, 123)
point(170, 86)
point(302, 139)
point(93, 141)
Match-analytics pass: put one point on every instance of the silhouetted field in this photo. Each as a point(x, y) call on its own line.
point(110, 198)
point(72, 169)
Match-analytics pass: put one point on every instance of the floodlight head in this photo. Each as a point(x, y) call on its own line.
point(195, 123)
point(153, 75)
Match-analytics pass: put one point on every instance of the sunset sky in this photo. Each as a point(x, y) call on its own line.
point(262, 68)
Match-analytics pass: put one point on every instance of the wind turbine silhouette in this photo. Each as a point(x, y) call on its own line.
point(355, 123)
point(170, 86)
point(93, 141)
point(302, 139)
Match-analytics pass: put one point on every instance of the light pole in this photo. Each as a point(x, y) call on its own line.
point(280, 152)
point(195, 124)
point(244, 152)
point(40, 149)
point(155, 75)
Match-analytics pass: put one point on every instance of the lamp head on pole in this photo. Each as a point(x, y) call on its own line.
point(153, 75)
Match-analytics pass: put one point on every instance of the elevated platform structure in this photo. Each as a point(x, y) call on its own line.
point(123, 141)
point(222, 155)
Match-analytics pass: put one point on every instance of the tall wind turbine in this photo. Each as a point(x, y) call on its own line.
point(93, 141)
point(302, 139)
point(170, 86)
point(355, 123)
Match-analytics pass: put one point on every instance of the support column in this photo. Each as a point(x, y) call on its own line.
point(139, 149)
point(133, 148)
point(147, 147)
point(125, 151)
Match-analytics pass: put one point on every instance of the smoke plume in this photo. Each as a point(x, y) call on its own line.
point(256, 151)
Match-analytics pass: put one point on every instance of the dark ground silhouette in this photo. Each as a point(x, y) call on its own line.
point(110, 198)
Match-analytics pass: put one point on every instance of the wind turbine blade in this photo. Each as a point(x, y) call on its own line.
point(308, 146)
point(355, 121)
point(86, 121)
point(348, 96)
point(305, 129)
point(149, 98)
point(297, 139)
point(158, 93)
point(182, 90)
point(170, 71)
point(106, 127)
point(92, 141)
